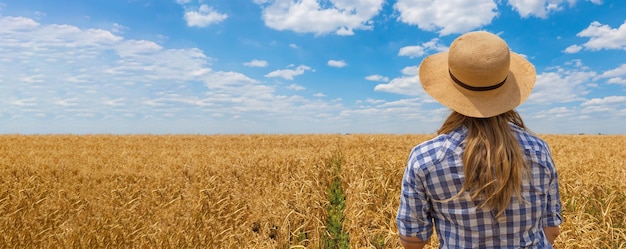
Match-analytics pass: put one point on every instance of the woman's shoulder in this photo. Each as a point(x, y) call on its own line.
point(529, 140)
point(436, 148)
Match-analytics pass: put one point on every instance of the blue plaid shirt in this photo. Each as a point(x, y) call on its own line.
point(434, 172)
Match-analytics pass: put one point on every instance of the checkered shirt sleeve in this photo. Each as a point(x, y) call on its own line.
point(434, 174)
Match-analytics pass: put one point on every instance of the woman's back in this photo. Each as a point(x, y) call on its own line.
point(437, 166)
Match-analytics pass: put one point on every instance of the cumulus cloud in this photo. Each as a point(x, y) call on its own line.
point(295, 87)
point(446, 16)
point(118, 28)
point(617, 80)
point(403, 111)
point(59, 73)
point(616, 72)
point(604, 37)
point(288, 74)
point(11, 23)
point(310, 16)
point(412, 51)
point(256, 63)
point(411, 70)
point(343, 31)
point(562, 84)
point(615, 76)
point(377, 77)
point(421, 50)
point(460, 16)
point(203, 17)
point(541, 8)
point(611, 105)
point(337, 63)
point(573, 49)
point(609, 100)
point(407, 84)
point(556, 113)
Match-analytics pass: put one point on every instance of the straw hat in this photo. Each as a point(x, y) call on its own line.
point(479, 76)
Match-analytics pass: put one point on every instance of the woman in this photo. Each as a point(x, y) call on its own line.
point(485, 181)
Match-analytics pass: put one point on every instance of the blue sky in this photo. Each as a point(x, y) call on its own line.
point(286, 66)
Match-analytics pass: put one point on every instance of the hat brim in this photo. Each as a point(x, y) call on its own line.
point(436, 81)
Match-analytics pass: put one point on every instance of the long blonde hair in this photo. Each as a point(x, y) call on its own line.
point(493, 161)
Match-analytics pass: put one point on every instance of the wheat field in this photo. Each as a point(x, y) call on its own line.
point(256, 191)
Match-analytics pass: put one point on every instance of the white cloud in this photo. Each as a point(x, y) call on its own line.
point(373, 101)
point(118, 28)
point(573, 49)
point(343, 31)
point(288, 74)
point(541, 8)
point(292, 45)
point(10, 23)
point(377, 77)
point(203, 17)
point(563, 84)
point(411, 70)
point(35, 78)
point(137, 48)
point(337, 63)
point(609, 100)
point(615, 76)
point(604, 37)
point(412, 51)
point(24, 102)
point(256, 63)
point(405, 111)
point(408, 84)
point(446, 16)
point(309, 16)
point(616, 72)
point(460, 16)
point(114, 102)
point(296, 87)
point(423, 49)
point(66, 102)
point(611, 105)
point(228, 80)
point(69, 73)
point(617, 80)
point(555, 113)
